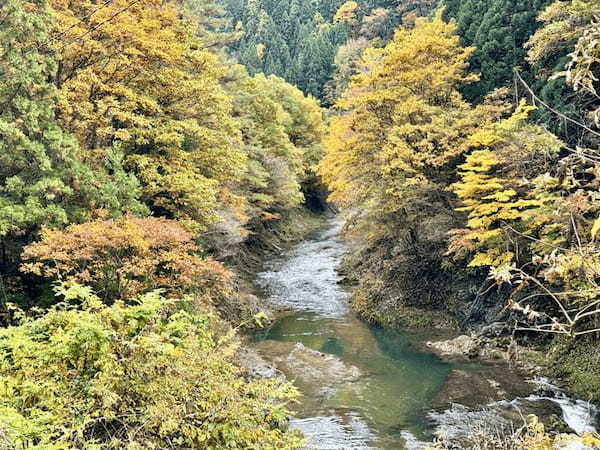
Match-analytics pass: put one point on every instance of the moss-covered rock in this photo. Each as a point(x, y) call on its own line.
point(577, 363)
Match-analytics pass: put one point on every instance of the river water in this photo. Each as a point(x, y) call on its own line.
point(365, 387)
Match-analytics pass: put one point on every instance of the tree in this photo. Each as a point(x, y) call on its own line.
point(213, 24)
point(347, 64)
point(126, 257)
point(37, 159)
point(400, 130)
point(347, 13)
point(135, 81)
point(376, 25)
point(43, 180)
point(298, 41)
point(565, 49)
point(394, 129)
point(532, 216)
point(494, 190)
point(498, 30)
point(282, 131)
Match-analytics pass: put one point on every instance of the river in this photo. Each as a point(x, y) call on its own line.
point(366, 387)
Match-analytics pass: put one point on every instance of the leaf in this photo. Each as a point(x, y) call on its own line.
point(595, 228)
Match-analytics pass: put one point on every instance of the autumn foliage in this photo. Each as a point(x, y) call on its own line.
point(126, 257)
point(136, 375)
point(434, 184)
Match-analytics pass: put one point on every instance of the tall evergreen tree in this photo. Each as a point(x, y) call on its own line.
point(296, 40)
point(42, 178)
point(498, 29)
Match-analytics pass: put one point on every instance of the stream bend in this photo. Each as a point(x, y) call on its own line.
point(366, 387)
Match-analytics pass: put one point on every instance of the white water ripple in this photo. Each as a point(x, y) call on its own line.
point(333, 433)
point(305, 278)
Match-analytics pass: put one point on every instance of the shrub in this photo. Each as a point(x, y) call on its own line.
point(126, 257)
point(141, 376)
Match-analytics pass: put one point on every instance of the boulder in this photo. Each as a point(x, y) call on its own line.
point(462, 347)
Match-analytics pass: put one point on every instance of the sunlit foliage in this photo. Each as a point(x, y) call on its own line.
point(42, 177)
point(401, 124)
point(400, 130)
point(495, 186)
point(401, 138)
point(142, 83)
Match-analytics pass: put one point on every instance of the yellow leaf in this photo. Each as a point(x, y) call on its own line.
point(596, 228)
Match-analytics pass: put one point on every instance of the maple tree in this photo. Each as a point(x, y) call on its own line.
point(125, 257)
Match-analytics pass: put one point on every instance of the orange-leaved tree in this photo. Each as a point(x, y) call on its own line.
point(125, 257)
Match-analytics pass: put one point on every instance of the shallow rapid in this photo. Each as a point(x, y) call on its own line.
point(365, 387)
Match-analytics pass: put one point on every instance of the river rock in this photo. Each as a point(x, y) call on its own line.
point(462, 346)
point(495, 329)
point(481, 387)
point(256, 366)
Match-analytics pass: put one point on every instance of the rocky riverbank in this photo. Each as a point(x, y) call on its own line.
point(367, 387)
point(498, 387)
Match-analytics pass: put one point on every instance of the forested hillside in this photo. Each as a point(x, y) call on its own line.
point(153, 151)
point(313, 45)
point(499, 31)
point(475, 208)
point(133, 155)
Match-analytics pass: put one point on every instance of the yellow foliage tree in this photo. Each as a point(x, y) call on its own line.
point(282, 131)
point(402, 122)
point(133, 75)
point(392, 150)
point(347, 14)
point(495, 183)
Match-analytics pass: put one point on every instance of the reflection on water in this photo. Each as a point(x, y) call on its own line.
point(363, 387)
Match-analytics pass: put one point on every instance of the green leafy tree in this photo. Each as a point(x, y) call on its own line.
point(42, 178)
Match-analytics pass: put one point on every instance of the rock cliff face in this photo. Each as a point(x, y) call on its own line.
point(409, 283)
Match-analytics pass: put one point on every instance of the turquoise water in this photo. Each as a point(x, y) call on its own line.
point(366, 387)
point(397, 384)
point(393, 392)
